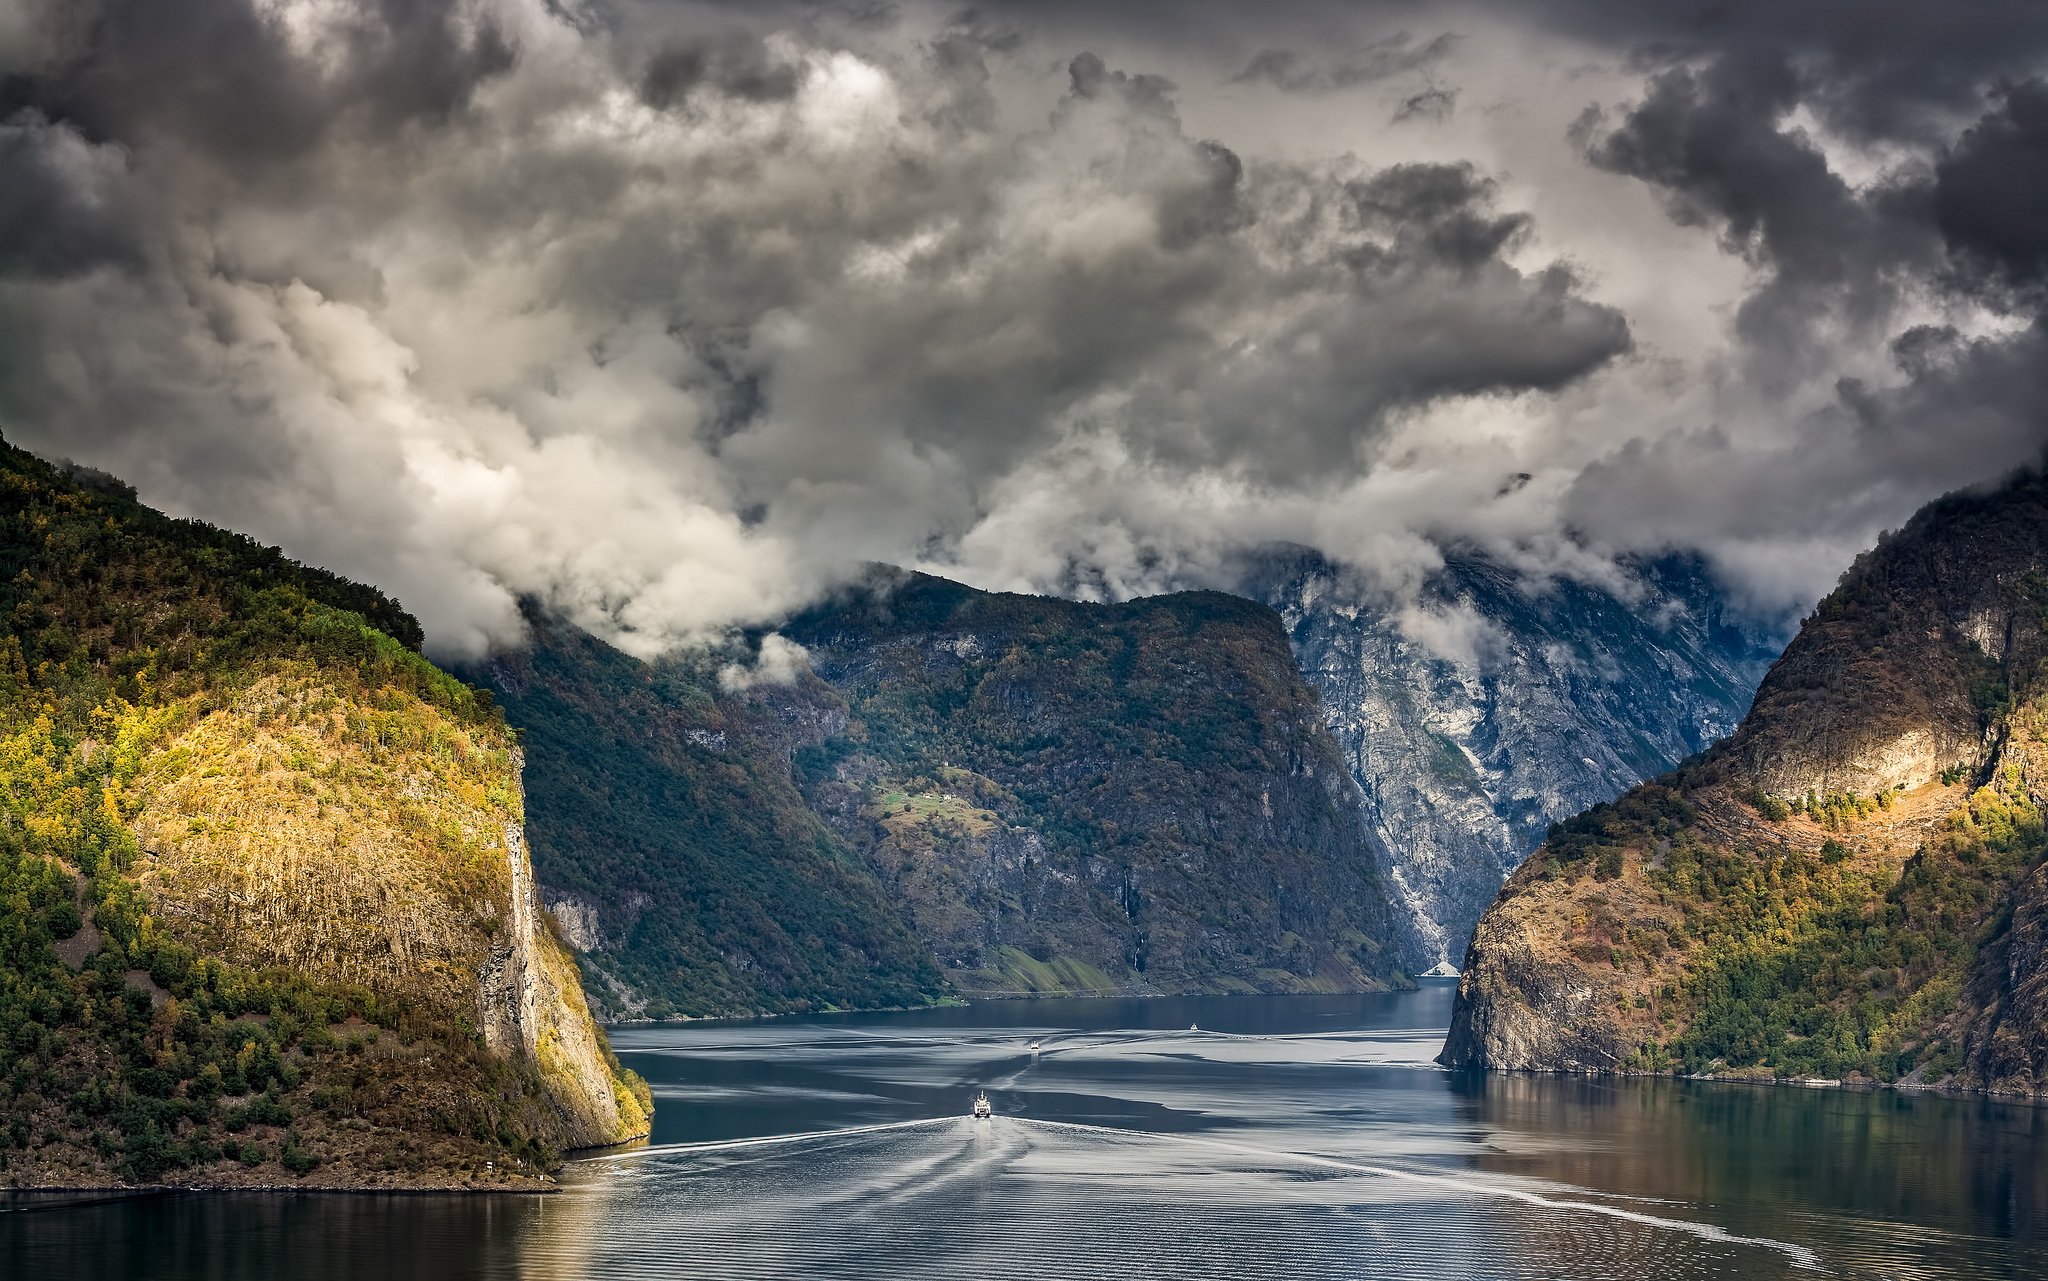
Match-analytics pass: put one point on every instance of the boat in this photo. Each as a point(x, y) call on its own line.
point(982, 1111)
point(1034, 1047)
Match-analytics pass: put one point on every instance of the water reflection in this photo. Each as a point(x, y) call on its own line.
point(1936, 1168)
point(1275, 1137)
point(307, 1237)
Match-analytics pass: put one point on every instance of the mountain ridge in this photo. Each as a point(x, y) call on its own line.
point(1128, 759)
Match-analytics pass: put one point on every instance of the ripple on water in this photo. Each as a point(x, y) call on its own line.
point(1016, 1197)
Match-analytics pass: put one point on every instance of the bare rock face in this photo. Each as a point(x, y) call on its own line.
point(1494, 707)
point(530, 1001)
point(2003, 1022)
point(579, 917)
point(1877, 688)
point(1524, 1007)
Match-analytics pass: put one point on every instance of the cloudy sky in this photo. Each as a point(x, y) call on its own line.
point(671, 314)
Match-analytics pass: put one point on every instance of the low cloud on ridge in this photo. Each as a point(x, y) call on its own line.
point(672, 316)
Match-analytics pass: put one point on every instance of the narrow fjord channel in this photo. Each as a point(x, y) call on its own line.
point(1202, 1137)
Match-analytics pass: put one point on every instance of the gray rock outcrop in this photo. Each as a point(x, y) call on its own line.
point(1492, 707)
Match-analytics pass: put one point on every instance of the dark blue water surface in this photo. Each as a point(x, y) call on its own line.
point(1275, 1137)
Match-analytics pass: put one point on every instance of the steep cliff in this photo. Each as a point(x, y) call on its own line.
point(1094, 798)
point(267, 908)
point(1490, 708)
point(673, 847)
point(1849, 887)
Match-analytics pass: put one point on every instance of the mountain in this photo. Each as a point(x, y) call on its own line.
point(1494, 707)
point(1070, 797)
point(1851, 887)
point(265, 901)
point(674, 849)
point(957, 793)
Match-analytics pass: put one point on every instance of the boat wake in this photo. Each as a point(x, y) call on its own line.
point(773, 1140)
point(1016, 1159)
point(1800, 1256)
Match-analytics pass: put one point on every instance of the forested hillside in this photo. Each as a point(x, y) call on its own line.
point(1076, 797)
point(956, 793)
point(255, 854)
point(1850, 887)
point(672, 844)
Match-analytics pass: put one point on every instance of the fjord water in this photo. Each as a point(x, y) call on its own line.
point(1277, 1137)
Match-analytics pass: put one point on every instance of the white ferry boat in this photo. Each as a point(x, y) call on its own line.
point(982, 1111)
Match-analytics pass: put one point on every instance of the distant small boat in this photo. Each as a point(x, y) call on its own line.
point(1034, 1047)
point(982, 1111)
point(1193, 1028)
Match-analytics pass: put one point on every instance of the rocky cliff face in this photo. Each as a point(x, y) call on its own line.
point(1496, 708)
point(1850, 887)
point(1887, 682)
point(1070, 797)
point(530, 1003)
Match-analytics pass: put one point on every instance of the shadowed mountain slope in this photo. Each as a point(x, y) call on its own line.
point(674, 848)
point(963, 793)
point(1078, 797)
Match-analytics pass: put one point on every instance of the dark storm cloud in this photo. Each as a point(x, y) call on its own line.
point(736, 66)
point(1382, 59)
point(668, 312)
point(425, 261)
point(1842, 264)
point(1875, 69)
point(222, 77)
point(1991, 190)
point(1712, 142)
point(63, 210)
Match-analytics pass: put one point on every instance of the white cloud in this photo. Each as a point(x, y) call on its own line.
point(782, 662)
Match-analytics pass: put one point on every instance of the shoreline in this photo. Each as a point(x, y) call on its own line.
point(1801, 1082)
point(127, 1192)
point(545, 1184)
point(959, 1003)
